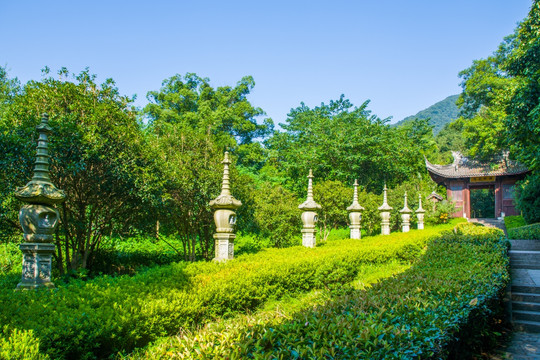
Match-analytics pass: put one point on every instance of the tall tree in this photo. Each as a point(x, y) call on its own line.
point(97, 157)
point(487, 89)
point(523, 108)
point(192, 123)
point(342, 142)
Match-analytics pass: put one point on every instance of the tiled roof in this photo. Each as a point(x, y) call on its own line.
point(465, 168)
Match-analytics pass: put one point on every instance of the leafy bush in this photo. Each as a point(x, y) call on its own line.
point(528, 198)
point(530, 232)
point(443, 307)
point(277, 215)
point(20, 345)
point(125, 256)
point(511, 222)
point(103, 316)
point(10, 265)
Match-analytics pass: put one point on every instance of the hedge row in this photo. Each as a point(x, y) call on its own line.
point(529, 232)
point(439, 309)
point(101, 317)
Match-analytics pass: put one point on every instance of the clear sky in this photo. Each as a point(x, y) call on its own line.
point(401, 55)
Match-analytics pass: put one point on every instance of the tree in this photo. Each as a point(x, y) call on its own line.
point(98, 158)
point(191, 124)
point(342, 142)
point(487, 89)
point(334, 197)
point(523, 107)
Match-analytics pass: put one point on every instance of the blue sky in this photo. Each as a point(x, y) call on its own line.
point(401, 55)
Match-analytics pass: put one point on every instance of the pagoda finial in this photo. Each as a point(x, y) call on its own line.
point(309, 204)
point(405, 206)
point(355, 194)
point(420, 209)
point(310, 186)
point(41, 168)
point(385, 205)
point(40, 189)
point(225, 200)
point(225, 186)
point(355, 205)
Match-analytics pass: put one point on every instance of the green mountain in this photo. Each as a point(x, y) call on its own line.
point(440, 114)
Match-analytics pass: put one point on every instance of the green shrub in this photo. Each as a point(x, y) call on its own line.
point(441, 308)
point(124, 256)
point(528, 198)
point(103, 316)
point(511, 222)
point(277, 215)
point(530, 232)
point(19, 345)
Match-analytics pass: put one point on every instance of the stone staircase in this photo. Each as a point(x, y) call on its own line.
point(525, 287)
point(524, 290)
point(491, 223)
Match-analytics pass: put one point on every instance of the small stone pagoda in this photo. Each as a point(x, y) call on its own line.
point(225, 216)
point(309, 216)
point(420, 213)
point(355, 214)
point(39, 218)
point(405, 216)
point(384, 210)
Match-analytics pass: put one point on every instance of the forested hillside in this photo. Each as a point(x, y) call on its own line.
point(439, 114)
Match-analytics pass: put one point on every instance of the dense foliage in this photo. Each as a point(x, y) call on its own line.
point(511, 222)
point(100, 317)
point(443, 307)
point(528, 198)
point(527, 232)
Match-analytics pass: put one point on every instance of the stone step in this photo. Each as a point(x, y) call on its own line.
point(527, 326)
point(525, 306)
point(524, 254)
point(526, 297)
point(525, 289)
point(524, 265)
point(533, 245)
point(526, 315)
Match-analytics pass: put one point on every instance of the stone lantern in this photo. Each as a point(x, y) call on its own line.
point(384, 210)
point(309, 216)
point(420, 213)
point(355, 214)
point(39, 218)
point(224, 216)
point(405, 216)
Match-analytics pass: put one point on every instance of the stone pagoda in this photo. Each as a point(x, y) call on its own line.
point(355, 214)
point(225, 216)
point(309, 216)
point(405, 216)
point(420, 213)
point(384, 210)
point(39, 218)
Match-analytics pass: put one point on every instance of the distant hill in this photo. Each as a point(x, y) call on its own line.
point(440, 114)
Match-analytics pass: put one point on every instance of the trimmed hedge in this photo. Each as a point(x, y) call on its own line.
point(529, 232)
point(101, 317)
point(441, 308)
point(514, 221)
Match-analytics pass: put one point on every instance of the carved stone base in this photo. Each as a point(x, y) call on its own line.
point(224, 243)
point(355, 232)
point(405, 227)
point(36, 270)
point(420, 226)
point(385, 229)
point(308, 238)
